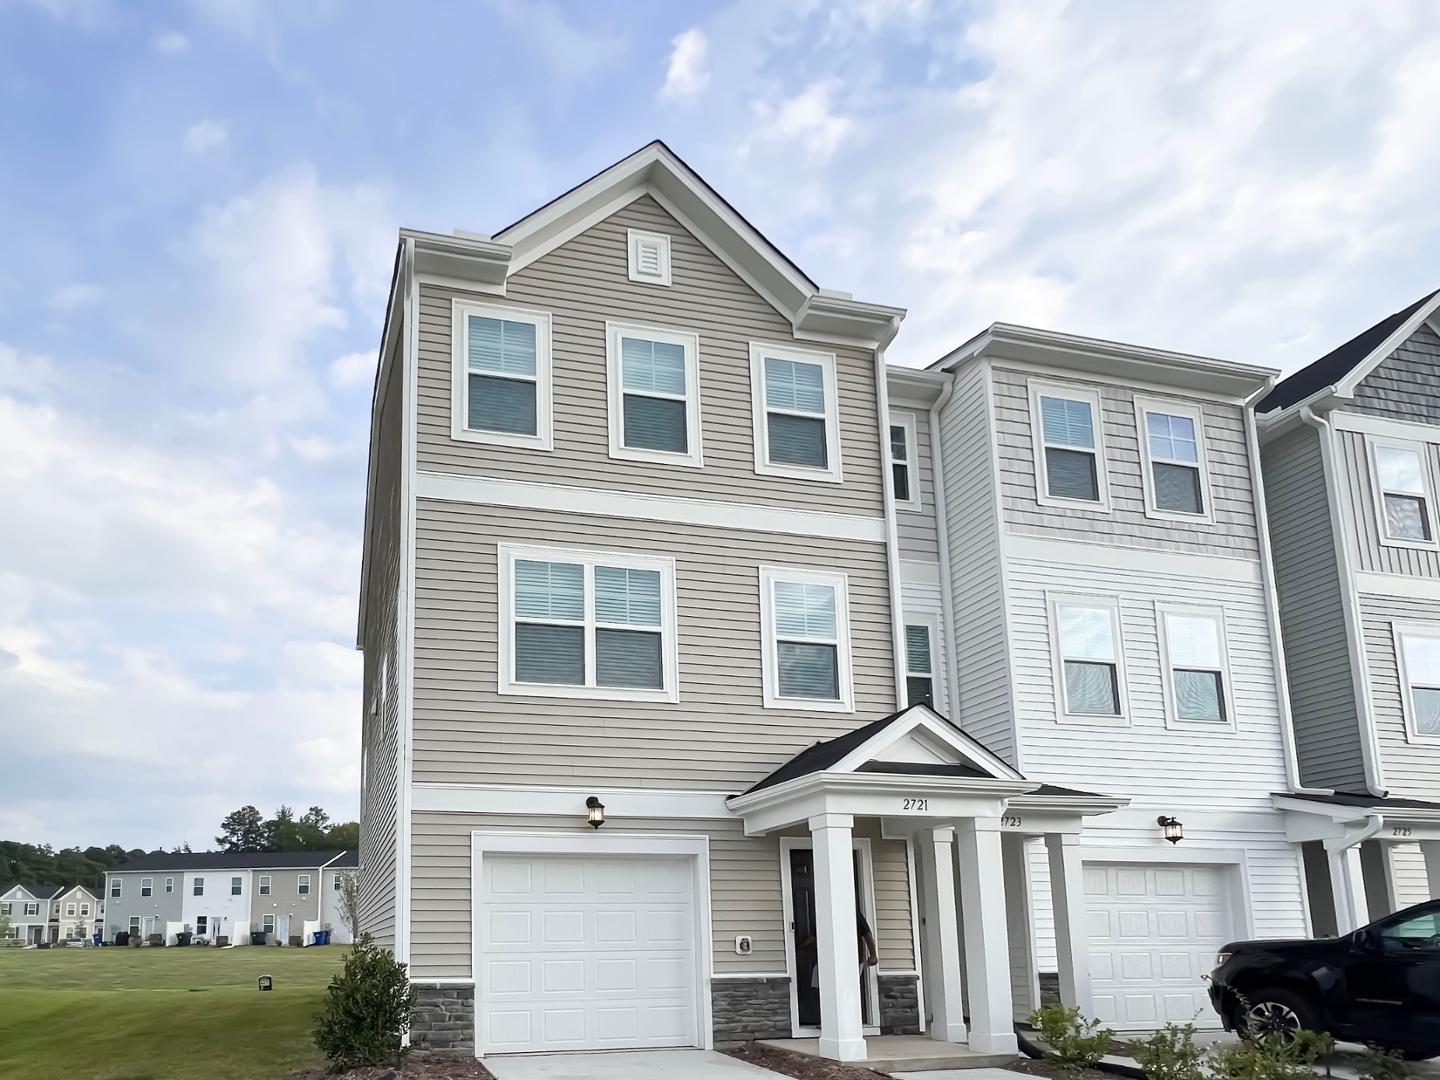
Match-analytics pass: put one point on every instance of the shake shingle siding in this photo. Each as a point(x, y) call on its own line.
point(1406, 384)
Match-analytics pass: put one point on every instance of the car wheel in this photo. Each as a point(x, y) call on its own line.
point(1278, 1014)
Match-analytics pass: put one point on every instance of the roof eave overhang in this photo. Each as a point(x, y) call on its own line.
point(1343, 812)
point(1081, 805)
point(460, 258)
point(914, 384)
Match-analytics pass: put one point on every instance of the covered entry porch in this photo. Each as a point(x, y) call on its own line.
point(963, 813)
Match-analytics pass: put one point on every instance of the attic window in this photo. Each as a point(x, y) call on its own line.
point(649, 257)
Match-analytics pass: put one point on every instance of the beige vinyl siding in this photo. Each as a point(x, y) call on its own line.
point(1410, 768)
point(718, 737)
point(1406, 384)
point(1407, 872)
point(745, 890)
point(979, 656)
point(1230, 496)
point(916, 528)
point(1312, 616)
point(380, 642)
point(1358, 496)
point(920, 601)
point(284, 898)
point(584, 282)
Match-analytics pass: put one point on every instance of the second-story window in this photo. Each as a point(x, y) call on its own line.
point(264, 885)
point(1069, 448)
point(806, 640)
point(905, 475)
point(199, 886)
point(919, 665)
point(1194, 641)
point(302, 885)
point(1417, 648)
point(169, 884)
point(1173, 447)
point(587, 624)
point(235, 886)
point(797, 426)
point(147, 886)
point(1406, 515)
point(32, 910)
point(501, 380)
point(115, 887)
point(1087, 643)
point(654, 381)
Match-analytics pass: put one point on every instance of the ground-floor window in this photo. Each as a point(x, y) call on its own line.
point(134, 924)
point(201, 925)
point(268, 924)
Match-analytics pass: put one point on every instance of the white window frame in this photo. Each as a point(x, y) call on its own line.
point(692, 458)
point(268, 923)
point(1195, 415)
point(906, 421)
point(205, 930)
point(1091, 397)
point(832, 473)
point(1382, 532)
point(1400, 631)
point(1167, 669)
point(264, 885)
point(633, 239)
point(669, 659)
point(32, 910)
point(117, 888)
point(1055, 601)
point(147, 887)
point(84, 911)
point(134, 926)
point(769, 640)
point(169, 885)
point(460, 384)
point(197, 883)
point(302, 884)
point(931, 621)
point(70, 910)
point(237, 885)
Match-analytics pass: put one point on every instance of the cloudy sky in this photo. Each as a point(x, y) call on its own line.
point(199, 203)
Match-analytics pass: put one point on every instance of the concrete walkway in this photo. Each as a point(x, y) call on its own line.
point(626, 1065)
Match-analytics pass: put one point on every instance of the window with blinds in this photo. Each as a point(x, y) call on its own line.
point(649, 257)
point(1173, 444)
point(586, 625)
point(502, 375)
point(1088, 648)
point(807, 649)
point(1195, 654)
point(654, 378)
point(1070, 460)
point(797, 422)
point(919, 665)
point(1418, 649)
point(1404, 493)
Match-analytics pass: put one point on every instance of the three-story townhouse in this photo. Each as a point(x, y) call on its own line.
point(637, 762)
point(1352, 468)
point(1086, 591)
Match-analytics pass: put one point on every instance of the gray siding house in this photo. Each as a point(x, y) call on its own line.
point(1351, 452)
point(31, 910)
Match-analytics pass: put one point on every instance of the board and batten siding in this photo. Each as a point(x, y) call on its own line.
point(1233, 531)
point(718, 737)
point(745, 890)
point(1312, 616)
point(1410, 767)
point(916, 528)
point(1152, 764)
point(979, 656)
point(1406, 384)
point(380, 643)
point(584, 282)
point(1359, 499)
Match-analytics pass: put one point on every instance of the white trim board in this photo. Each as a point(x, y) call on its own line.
point(1401, 585)
point(1015, 545)
point(566, 802)
point(1385, 427)
point(623, 504)
point(920, 571)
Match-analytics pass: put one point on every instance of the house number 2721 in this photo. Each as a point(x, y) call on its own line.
point(917, 804)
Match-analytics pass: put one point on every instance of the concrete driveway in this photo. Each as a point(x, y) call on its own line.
point(626, 1065)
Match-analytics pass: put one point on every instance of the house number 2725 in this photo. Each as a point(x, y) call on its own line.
point(917, 804)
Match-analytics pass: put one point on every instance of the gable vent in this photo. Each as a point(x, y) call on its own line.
point(649, 257)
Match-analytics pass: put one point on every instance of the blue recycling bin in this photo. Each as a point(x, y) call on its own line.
point(322, 937)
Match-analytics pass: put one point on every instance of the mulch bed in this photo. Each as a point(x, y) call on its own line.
point(802, 1067)
point(414, 1067)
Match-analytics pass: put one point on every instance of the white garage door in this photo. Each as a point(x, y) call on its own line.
point(1154, 932)
point(586, 952)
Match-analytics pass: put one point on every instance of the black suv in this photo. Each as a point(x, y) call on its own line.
point(1379, 985)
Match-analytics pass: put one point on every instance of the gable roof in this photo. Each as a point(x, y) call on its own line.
point(232, 860)
point(1352, 361)
point(38, 892)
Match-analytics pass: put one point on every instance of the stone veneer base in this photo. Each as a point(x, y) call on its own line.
point(743, 1010)
point(444, 1020)
point(899, 1005)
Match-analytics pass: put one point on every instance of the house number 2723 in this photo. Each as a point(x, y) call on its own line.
point(917, 804)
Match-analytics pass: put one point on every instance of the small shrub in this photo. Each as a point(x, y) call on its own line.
point(368, 1007)
point(1270, 1059)
point(1171, 1054)
point(1377, 1064)
point(1076, 1043)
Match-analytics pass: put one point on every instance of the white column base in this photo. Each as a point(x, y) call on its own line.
point(987, 952)
point(841, 1030)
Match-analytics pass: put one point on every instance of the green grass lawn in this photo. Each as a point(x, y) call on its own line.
point(160, 1014)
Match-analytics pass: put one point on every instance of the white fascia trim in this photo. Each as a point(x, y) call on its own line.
point(442, 281)
point(603, 502)
point(692, 458)
point(1345, 387)
point(530, 801)
point(919, 572)
point(1385, 427)
point(1397, 585)
point(1115, 557)
point(1196, 415)
point(922, 717)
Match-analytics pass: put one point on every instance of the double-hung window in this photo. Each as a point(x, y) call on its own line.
point(500, 391)
point(1402, 484)
point(236, 886)
point(134, 925)
point(797, 419)
point(264, 885)
point(32, 910)
point(267, 924)
point(1069, 447)
point(169, 884)
point(69, 911)
point(302, 885)
point(1417, 648)
point(806, 640)
point(1091, 681)
point(1172, 441)
point(147, 886)
point(84, 910)
point(115, 887)
point(1197, 671)
point(199, 886)
point(587, 624)
point(654, 382)
point(920, 663)
point(904, 455)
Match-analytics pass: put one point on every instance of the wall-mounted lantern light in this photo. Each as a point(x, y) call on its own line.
point(595, 812)
point(1171, 827)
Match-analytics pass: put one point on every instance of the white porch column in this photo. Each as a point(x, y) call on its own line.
point(842, 1035)
point(1072, 945)
point(1347, 882)
point(942, 935)
point(1430, 849)
point(1025, 975)
point(987, 959)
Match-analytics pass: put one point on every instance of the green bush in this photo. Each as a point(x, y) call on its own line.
point(1271, 1059)
point(1076, 1043)
point(1171, 1054)
point(368, 1007)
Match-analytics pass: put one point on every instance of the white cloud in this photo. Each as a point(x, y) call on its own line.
point(205, 136)
point(686, 75)
point(353, 369)
point(807, 118)
point(169, 42)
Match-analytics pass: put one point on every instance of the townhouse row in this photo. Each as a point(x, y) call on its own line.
point(692, 629)
point(33, 914)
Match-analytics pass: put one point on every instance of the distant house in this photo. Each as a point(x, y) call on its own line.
point(76, 913)
point(228, 894)
point(29, 907)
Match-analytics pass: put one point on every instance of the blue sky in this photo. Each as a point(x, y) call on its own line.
point(200, 203)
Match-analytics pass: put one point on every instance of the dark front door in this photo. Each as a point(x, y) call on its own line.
point(1392, 979)
point(807, 980)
